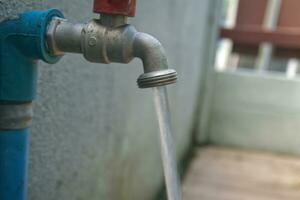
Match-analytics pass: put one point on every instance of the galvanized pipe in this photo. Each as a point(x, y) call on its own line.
point(67, 37)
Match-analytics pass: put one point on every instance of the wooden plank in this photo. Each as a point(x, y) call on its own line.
point(230, 174)
point(281, 38)
point(251, 13)
point(251, 16)
point(256, 111)
point(245, 16)
point(290, 14)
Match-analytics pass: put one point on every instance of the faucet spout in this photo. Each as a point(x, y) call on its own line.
point(150, 51)
point(155, 62)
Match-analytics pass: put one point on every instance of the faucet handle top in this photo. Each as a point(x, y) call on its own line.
point(117, 7)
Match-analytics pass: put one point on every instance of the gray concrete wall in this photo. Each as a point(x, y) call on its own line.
point(95, 133)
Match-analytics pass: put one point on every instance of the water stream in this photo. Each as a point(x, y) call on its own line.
point(167, 144)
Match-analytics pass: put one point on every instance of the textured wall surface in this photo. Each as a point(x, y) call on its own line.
point(95, 133)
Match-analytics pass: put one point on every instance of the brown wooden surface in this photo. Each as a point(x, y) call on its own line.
point(251, 13)
point(229, 174)
point(250, 18)
point(289, 15)
point(281, 38)
point(286, 41)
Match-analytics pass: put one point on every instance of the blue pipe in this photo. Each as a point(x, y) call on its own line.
point(22, 44)
point(13, 164)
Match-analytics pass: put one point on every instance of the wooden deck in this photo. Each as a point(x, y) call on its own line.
point(228, 174)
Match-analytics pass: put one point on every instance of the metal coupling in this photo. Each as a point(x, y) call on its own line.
point(111, 39)
point(15, 117)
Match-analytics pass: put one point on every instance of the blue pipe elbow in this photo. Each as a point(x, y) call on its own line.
point(22, 44)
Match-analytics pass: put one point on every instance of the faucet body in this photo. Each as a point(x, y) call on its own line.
point(111, 39)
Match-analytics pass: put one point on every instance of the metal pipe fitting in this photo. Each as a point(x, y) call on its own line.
point(67, 37)
point(111, 39)
point(15, 116)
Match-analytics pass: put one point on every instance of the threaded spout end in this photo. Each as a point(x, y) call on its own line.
point(157, 78)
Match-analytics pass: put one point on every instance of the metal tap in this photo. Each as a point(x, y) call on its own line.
point(112, 39)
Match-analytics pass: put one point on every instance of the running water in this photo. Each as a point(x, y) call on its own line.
point(167, 144)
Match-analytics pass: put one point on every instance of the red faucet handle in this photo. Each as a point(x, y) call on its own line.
point(117, 7)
